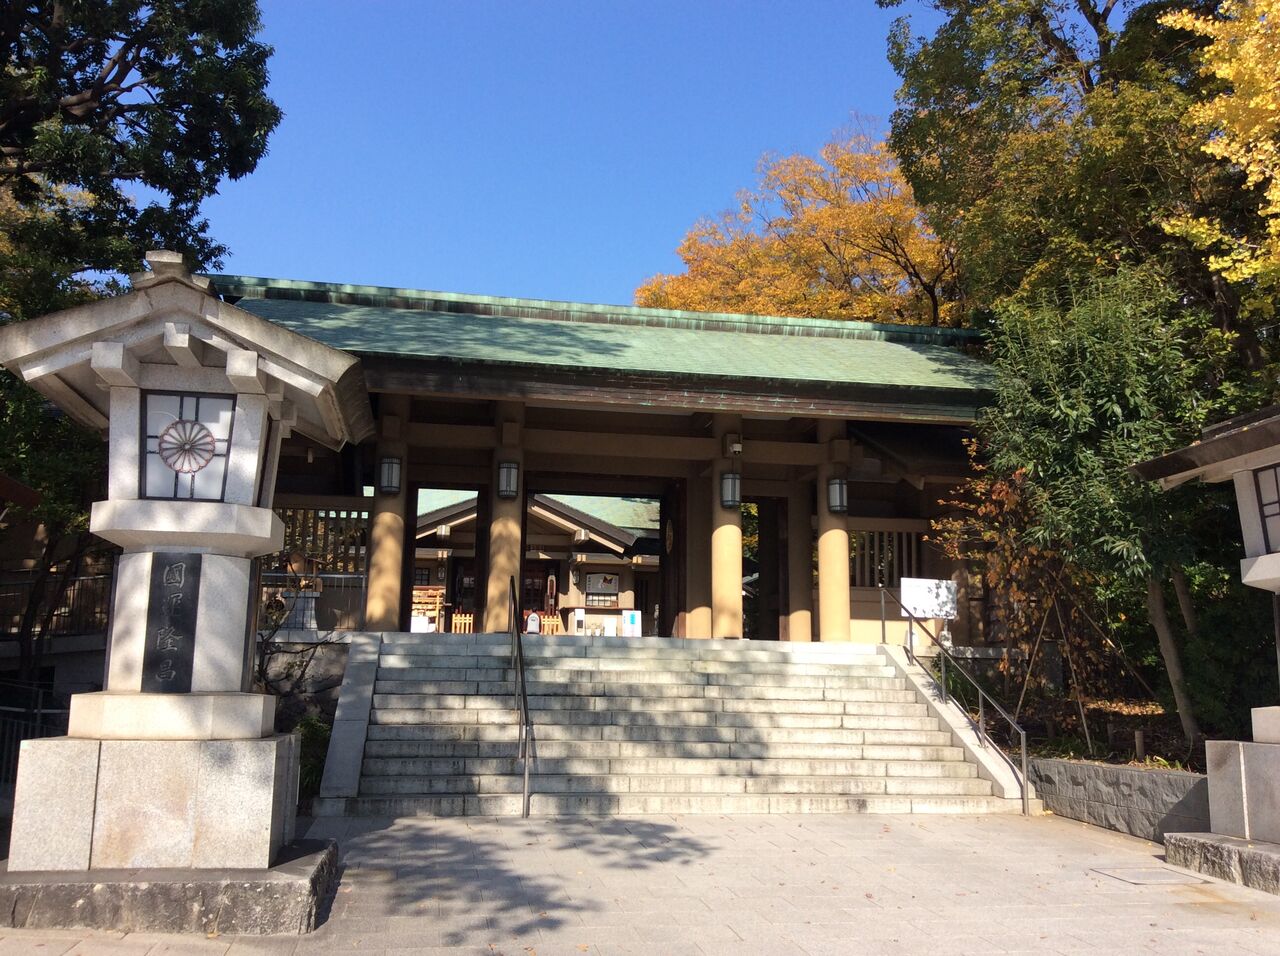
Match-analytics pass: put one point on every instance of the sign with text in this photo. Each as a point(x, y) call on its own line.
point(930, 598)
point(602, 584)
point(172, 601)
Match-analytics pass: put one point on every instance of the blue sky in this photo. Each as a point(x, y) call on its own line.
point(550, 150)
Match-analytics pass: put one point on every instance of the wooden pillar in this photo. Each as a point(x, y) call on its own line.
point(506, 521)
point(800, 563)
point(384, 599)
point(833, 540)
point(697, 563)
point(726, 543)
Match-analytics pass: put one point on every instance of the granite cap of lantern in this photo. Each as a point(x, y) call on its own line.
point(184, 337)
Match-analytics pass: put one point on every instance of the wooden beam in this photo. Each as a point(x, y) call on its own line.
point(323, 502)
point(472, 437)
point(612, 445)
point(591, 465)
point(643, 392)
point(783, 452)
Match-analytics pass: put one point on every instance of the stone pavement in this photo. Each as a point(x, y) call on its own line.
point(928, 885)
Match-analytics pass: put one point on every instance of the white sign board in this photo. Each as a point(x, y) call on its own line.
point(630, 623)
point(928, 598)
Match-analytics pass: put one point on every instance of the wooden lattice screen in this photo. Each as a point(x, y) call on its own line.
point(335, 540)
point(884, 557)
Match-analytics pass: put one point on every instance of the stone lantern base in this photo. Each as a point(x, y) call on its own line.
point(1244, 810)
point(286, 899)
point(88, 803)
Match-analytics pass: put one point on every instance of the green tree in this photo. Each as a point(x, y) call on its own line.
point(104, 98)
point(1046, 140)
point(1083, 391)
point(101, 100)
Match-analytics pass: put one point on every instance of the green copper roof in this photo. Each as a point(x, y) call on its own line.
point(372, 320)
point(632, 514)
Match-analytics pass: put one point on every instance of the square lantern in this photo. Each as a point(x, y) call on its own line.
point(508, 479)
point(731, 488)
point(186, 445)
point(389, 476)
point(1266, 483)
point(838, 496)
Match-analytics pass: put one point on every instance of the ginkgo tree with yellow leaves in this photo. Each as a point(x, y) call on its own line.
point(836, 236)
point(1242, 124)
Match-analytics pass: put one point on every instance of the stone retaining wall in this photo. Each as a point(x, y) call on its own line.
point(1144, 803)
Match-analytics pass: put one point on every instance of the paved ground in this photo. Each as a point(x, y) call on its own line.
point(935, 886)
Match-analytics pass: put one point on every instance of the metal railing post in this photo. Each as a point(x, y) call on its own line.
point(1026, 781)
point(984, 737)
point(521, 695)
point(883, 622)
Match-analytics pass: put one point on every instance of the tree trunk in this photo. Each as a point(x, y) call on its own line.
point(1159, 615)
point(1183, 591)
point(35, 603)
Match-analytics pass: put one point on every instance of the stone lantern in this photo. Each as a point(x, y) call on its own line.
point(176, 763)
point(1244, 777)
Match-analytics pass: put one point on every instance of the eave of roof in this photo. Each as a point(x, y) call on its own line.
point(533, 335)
point(422, 300)
point(1234, 438)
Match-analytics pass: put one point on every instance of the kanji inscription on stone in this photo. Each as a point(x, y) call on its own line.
point(172, 599)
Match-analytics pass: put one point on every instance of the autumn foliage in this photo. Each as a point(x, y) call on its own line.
point(836, 236)
point(1242, 124)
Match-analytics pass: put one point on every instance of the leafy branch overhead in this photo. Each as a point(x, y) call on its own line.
point(103, 98)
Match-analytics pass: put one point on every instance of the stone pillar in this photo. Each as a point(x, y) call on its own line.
point(800, 564)
point(833, 540)
point(384, 599)
point(697, 564)
point(506, 521)
point(726, 544)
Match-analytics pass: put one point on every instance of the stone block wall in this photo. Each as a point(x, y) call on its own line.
point(1143, 803)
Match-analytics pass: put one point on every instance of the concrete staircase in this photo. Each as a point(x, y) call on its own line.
point(634, 726)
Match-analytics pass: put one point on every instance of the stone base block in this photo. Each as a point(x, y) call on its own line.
point(284, 899)
point(1266, 725)
point(126, 804)
point(1244, 795)
point(1247, 862)
point(126, 716)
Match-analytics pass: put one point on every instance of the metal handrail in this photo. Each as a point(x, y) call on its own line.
point(983, 697)
point(521, 693)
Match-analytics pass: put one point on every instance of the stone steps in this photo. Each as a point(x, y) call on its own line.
point(851, 732)
point(812, 667)
point(655, 648)
point(551, 804)
point(654, 726)
point(655, 748)
point(471, 680)
point(661, 784)
point(829, 701)
point(635, 717)
point(502, 689)
point(900, 762)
